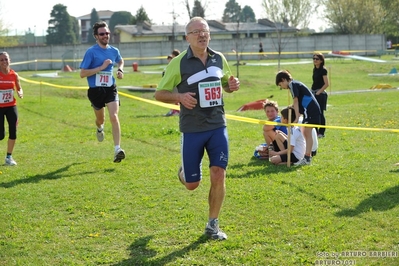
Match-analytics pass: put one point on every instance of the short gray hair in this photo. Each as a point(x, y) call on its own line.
point(194, 19)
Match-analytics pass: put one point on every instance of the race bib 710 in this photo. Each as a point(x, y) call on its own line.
point(104, 79)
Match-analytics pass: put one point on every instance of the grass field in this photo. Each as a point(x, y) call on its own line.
point(67, 203)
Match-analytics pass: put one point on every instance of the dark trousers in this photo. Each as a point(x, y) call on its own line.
point(322, 100)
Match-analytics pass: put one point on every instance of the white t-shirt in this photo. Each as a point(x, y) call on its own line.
point(298, 141)
point(314, 136)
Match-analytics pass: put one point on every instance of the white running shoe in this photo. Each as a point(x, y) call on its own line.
point(119, 155)
point(213, 231)
point(10, 161)
point(303, 161)
point(179, 173)
point(100, 135)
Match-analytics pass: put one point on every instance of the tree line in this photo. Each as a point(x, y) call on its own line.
point(343, 16)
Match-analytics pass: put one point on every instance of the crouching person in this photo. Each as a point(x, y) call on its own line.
point(297, 141)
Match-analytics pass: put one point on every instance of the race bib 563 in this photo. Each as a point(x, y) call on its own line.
point(210, 93)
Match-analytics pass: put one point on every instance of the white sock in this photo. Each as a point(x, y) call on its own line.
point(117, 147)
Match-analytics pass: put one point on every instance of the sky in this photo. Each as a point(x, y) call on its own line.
point(34, 15)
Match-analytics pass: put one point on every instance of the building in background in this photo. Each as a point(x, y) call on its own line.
point(86, 25)
point(145, 32)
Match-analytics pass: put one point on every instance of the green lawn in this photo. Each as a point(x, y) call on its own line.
point(67, 203)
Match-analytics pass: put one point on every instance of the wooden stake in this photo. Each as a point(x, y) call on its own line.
point(329, 79)
point(289, 133)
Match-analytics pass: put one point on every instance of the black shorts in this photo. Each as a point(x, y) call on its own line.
point(284, 158)
point(275, 145)
point(100, 96)
point(313, 120)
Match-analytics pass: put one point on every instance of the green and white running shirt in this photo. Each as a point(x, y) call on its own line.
point(188, 74)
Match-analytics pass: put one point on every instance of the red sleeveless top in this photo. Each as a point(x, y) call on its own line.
point(7, 89)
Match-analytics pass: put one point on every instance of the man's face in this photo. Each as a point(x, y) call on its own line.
point(103, 35)
point(198, 35)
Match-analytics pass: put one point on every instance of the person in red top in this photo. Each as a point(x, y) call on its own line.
point(9, 81)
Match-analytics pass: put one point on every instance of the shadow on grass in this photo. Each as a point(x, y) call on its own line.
point(266, 168)
point(315, 196)
point(41, 114)
point(141, 255)
point(60, 173)
point(150, 116)
point(383, 201)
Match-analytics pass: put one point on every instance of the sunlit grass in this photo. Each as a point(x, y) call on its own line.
point(67, 203)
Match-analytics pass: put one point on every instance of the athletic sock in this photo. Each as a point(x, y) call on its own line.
point(211, 221)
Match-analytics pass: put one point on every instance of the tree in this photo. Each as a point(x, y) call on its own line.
point(390, 18)
point(294, 13)
point(60, 29)
point(283, 14)
point(247, 14)
point(5, 39)
point(232, 12)
point(140, 17)
point(9, 41)
point(120, 18)
point(198, 10)
point(76, 29)
point(187, 4)
point(93, 19)
point(354, 16)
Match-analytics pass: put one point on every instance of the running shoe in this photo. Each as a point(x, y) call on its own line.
point(172, 112)
point(303, 161)
point(100, 135)
point(10, 161)
point(213, 231)
point(119, 155)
